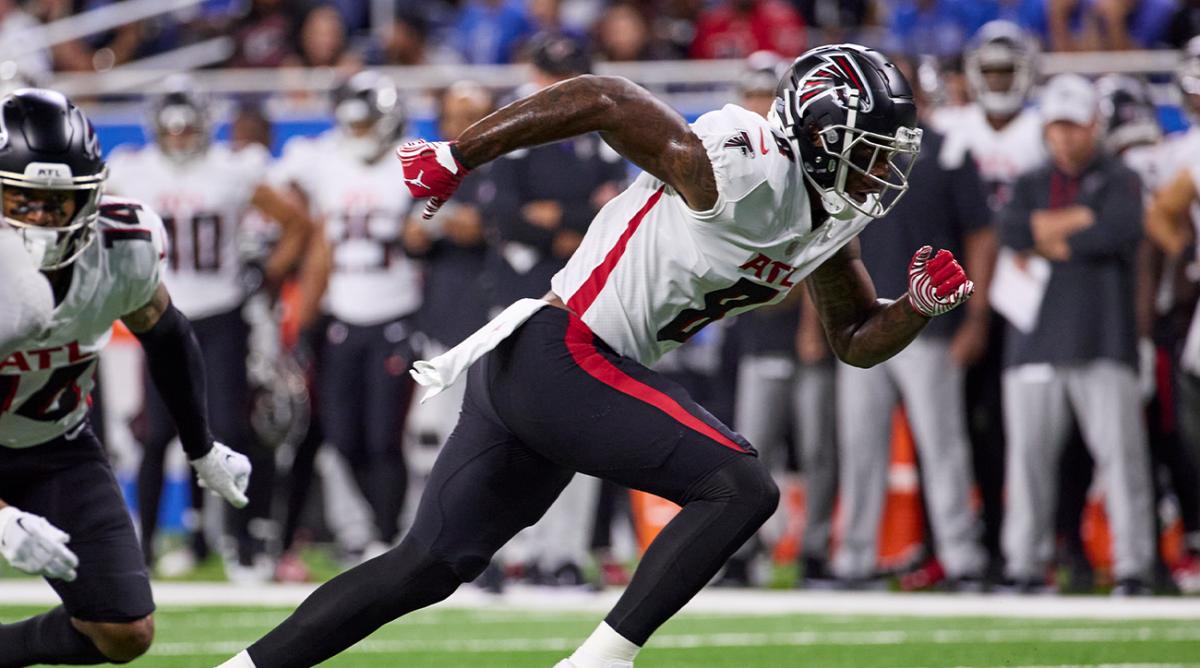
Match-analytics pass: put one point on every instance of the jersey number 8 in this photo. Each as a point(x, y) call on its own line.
point(717, 304)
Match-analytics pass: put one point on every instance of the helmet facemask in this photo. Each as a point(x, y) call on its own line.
point(46, 189)
point(183, 131)
point(369, 124)
point(870, 169)
point(1000, 49)
point(840, 156)
point(999, 57)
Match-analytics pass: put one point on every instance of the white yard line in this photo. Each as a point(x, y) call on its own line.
point(710, 601)
point(792, 639)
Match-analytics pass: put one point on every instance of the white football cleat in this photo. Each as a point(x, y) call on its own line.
point(567, 663)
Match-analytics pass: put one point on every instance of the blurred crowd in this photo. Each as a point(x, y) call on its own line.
point(1072, 376)
point(347, 34)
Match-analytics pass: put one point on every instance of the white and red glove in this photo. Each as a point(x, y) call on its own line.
point(34, 545)
point(431, 170)
point(937, 284)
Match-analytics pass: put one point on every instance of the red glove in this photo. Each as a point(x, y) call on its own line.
point(431, 170)
point(936, 285)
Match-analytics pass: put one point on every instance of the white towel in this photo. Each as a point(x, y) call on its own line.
point(440, 372)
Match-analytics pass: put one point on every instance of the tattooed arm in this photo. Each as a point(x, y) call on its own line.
point(635, 123)
point(862, 329)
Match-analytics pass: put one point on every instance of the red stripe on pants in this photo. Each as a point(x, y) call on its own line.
point(580, 343)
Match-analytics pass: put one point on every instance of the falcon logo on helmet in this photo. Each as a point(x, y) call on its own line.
point(839, 77)
point(850, 116)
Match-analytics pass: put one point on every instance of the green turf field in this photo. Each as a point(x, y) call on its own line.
point(195, 637)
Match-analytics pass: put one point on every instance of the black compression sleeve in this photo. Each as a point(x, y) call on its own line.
point(177, 368)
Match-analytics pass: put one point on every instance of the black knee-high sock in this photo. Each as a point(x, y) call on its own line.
point(47, 638)
point(351, 606)
point(727, 509)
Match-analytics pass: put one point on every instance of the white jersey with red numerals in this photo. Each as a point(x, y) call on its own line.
point(202, 203)
point(651, 271)
point(363, 206)
point(1002, 155)
point(44, 385)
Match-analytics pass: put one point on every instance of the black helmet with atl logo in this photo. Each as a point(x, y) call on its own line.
point(51, 175)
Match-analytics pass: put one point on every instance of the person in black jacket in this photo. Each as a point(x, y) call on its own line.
point(1078, 221)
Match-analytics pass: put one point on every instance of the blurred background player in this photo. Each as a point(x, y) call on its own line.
point(374, 288)
point(204, 191)
point(1171, 220)
point(1004, 137)
point(62, 514)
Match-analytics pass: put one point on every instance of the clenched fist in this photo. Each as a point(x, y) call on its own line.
point(937, 284)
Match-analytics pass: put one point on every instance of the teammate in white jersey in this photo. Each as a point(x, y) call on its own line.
point(204, 190)
point(731, 213)
point(1173, 225)
point(61, 513)
point(374, 287)
point(1002, 134)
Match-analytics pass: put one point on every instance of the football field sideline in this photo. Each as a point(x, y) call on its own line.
point(708, 601)
point(668, 640)
point(202, 624)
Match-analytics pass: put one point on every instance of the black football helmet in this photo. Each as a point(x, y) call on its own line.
point(49, 156)
point(368, 101)
point(180, 120)
point(1127, 114)
point(1000, 46)
point(846, 108)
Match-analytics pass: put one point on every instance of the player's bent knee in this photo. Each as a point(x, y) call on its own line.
point(121, 642)
point(762, 493)
point(747, 484)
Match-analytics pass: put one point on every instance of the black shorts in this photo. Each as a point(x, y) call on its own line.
point(549, 401)
point(70, 483)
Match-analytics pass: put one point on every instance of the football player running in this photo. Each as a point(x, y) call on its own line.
point(731, 212)
point(96, 259)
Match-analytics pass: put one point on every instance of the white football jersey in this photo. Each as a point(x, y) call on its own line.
point(651, 271)
point(1002, 155)
point(1148, 162)
point(363, 207)
point(44, 385)
point(202, 203)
